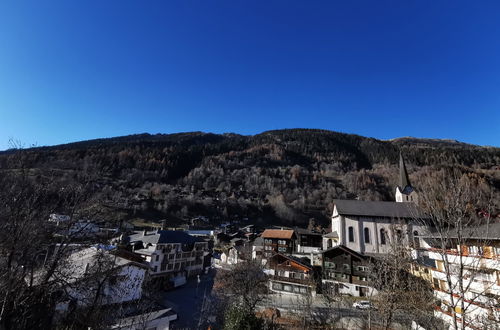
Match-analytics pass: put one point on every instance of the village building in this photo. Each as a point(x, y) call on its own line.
point(346, 272)
point(405, 191)
point(479, 258)
point(278, 241)
point(173, 256)
point(371, 227)
point(258, 249)
point(307, 241)
point(118, 275)
point(290, 275)
point(233, 256)
point(160, 319)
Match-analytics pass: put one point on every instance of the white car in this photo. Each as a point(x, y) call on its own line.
point(363, 304)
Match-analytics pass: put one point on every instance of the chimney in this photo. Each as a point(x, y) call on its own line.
point(145, 232)
point(164, 224)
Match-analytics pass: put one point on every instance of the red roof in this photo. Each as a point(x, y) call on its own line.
point(278, 233)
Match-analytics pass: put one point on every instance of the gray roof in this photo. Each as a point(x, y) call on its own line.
point(486, 232)
point(259, 241)
point(377, 209)
point(332, 234)
point(165, 236)
point(305, 231)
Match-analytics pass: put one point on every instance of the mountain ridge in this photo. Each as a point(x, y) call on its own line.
point(287, 175)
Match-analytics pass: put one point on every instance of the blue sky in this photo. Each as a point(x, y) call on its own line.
point(74, 70)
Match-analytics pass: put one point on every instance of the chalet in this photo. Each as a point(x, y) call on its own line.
point(232, 256)
point(290, 275)
point(278, 240)
point(173, 256)
point(307, 240)
point(258, 249)
point(346, 272)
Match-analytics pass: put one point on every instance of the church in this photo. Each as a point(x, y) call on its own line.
point(373, 227)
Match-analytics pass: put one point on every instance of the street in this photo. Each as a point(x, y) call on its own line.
point(187, 299)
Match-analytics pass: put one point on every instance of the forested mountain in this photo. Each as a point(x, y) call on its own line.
point(283, 175)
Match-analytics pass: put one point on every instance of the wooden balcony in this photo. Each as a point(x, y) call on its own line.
point(306, 281)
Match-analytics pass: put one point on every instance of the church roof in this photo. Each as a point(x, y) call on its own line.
point(377, 209)
point(404, 181)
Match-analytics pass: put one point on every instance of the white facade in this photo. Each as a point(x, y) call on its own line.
point(482, 282)
point(122, 279)
point(410, 196)
point(351, 289)
point(158, 320)
point(172, 258)
point(373, 234)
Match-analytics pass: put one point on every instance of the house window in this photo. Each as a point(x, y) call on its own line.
point(399, 235)
point(282, 242)
point(157, 257)
point(351, 234)
point(277, 286)
point(346, 267)
point(282, 249)
point(367, 235)
point(382, 236)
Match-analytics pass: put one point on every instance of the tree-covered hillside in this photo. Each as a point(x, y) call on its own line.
point(284, 175)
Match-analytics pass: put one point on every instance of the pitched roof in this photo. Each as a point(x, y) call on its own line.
point(332, 234)
point(377, 209)
point(347, 250)
point(486, 232)
point(304, 231)
point(165, 236)
point(278, 233)
point(259, 241)
point(303, 262)
point(404, 181)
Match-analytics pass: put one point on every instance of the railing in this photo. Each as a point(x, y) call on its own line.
point(291, 279)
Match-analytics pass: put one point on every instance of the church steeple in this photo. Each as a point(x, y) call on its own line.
point(404, 191)
point(404, 181)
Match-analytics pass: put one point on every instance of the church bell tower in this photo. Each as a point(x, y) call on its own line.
point(404, 191)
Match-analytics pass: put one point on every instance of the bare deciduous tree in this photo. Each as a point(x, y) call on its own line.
point(459, 207)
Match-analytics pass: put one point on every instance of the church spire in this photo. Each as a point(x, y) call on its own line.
point(404, 181)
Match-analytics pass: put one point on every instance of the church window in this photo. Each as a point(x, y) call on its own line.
point(382, 236)
point(367, 235)
point(351, 234)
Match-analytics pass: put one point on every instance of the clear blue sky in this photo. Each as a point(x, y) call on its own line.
point(73, 70)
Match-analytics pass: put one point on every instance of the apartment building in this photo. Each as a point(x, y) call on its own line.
point(469, 269)
point(173, 256)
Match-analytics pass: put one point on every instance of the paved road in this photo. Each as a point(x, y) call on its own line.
point(187, 300)
point(295, 305)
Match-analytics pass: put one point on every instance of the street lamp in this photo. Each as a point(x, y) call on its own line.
point(197, 284)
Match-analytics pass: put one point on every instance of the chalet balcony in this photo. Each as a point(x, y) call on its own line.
point(337, 279)
point(306, 281)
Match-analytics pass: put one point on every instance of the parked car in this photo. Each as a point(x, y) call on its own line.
point(363, 304)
